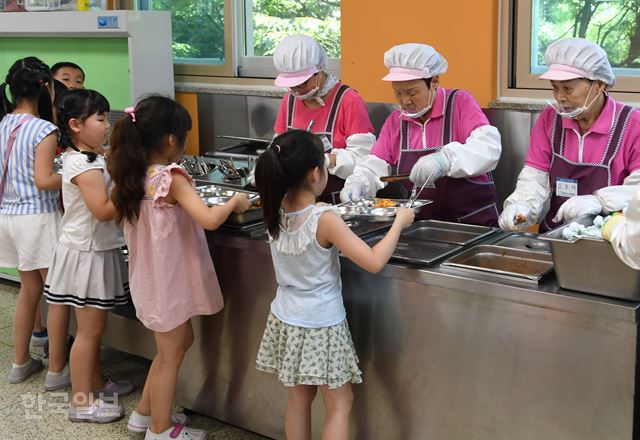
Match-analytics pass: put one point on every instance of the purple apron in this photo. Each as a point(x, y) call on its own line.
point(331, 193)
point(590, 177)
point(462, 200)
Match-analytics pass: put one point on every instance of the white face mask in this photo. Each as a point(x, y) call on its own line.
point(421, 112)
point(573, 114)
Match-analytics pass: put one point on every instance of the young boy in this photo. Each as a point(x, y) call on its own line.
point(70, 74)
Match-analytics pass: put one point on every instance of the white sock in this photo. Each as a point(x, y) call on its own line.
point(63, 372)
point(21, 366)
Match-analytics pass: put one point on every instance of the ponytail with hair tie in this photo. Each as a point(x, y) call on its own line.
point(138, 135)
point(28, 80)
point(284, 167)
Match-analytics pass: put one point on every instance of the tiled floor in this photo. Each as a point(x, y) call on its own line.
point(28, 412)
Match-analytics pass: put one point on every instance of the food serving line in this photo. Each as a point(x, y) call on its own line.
point(466, 333)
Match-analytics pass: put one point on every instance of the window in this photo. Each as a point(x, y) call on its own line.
point(529, 26)
point(238, 37)
point(201, 35)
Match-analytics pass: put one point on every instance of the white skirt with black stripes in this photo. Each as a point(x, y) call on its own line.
point(87, 278)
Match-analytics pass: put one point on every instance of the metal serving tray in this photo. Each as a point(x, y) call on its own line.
point(365, 208)
point(362, 227)
point(513, 263)
point(418, 252)
point(590, 265)
point(213, 195)
point(457, 233)
point(523, 240)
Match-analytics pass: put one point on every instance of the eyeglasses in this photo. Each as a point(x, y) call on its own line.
point(304, 84)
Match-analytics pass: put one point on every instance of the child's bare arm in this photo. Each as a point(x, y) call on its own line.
point(210, 218)
point(94, 193)
point(333, 230)
point(45, 177)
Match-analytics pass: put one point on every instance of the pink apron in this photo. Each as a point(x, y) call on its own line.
point(589, 177)
point(462, 200)
point(335, 184)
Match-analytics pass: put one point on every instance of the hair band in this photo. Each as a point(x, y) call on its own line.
point(131, 112)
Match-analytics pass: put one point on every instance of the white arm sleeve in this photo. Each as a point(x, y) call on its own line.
point(533, 189)
point(368, 172)
point(615, 198)
point(625, 235)
point(358, 146)
point(479, 154)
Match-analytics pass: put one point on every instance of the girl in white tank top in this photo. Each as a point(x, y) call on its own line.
point(307, 342)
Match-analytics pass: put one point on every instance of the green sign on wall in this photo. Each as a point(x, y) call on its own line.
point(105, 61)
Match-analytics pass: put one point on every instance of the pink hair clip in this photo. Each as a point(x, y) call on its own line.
point(131, 111)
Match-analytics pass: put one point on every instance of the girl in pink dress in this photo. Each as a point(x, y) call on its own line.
point(171, 274)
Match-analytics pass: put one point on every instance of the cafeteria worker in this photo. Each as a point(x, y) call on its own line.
point(584, 152)
point(319, 102)
point(439, 137)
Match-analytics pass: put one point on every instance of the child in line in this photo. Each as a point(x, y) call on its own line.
point(70, 74)
point(29, 195)
point(88, 270)
point(40, 336)
point(170, 269)
point(307, 342)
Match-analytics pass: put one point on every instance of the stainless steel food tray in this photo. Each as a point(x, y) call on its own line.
point(513, 263)
point(457, 233)
point(417, 252)
point(365, 208)
point(362, 227)
point(523, 240)
point(590, 265)
point(213, 195)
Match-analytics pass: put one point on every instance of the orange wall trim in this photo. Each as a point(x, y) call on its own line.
point(465, 32)
point(190, 102)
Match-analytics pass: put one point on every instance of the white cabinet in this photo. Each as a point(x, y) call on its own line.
point(147, 35)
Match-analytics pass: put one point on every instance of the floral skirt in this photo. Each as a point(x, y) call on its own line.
point(308, 356)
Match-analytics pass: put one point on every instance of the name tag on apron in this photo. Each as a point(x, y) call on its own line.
point(566, 187)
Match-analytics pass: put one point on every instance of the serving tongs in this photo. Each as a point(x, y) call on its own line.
point(197, 167)
point(415, 194)
point(229, 170)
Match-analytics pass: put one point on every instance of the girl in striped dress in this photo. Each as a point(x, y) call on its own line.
point(29, 195)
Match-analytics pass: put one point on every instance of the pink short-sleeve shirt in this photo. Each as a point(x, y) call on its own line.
point(352, 117)
point(590, 147)
point(467, 117)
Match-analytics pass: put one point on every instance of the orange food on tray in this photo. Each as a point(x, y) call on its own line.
point(384, 203)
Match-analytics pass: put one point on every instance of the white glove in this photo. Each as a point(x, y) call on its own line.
point(578, 206)
point(515, 216)
point(353, 189)
point(429, 168)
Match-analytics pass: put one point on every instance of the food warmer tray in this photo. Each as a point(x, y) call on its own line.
point(417, 252)
point(447, 232)
point(523, 265)
point(590, 265)
point(525, 241)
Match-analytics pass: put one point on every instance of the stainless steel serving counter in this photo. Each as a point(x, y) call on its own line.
point(444, 355)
